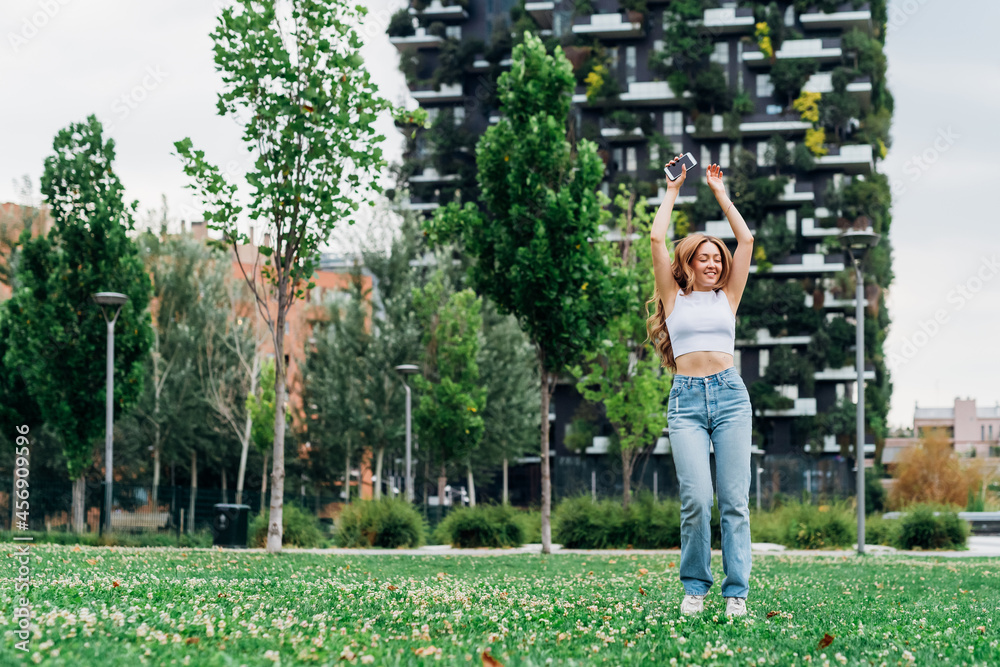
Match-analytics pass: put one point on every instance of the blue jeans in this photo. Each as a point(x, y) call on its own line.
point(715, 407)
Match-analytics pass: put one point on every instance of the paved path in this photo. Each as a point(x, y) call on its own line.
point(979, 547)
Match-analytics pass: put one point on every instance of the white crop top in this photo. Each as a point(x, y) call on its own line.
point(702, 321)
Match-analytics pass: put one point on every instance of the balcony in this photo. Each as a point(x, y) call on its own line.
point(833, 303)
point(806, 263)
point(797, 192)
point(729, 20)
point(721, 229)
point(764, 338)
point(483, 65)
point(609, 26)
point(804, 407)
point(438, 12)
point(840, 20)
point(421, 40)
point(766, 125)
point(639, 93)
point(826, 49)
point(600, 445)
point(618, 135)
point(541, 12)
point(448, 93)
point(430, 175)
point(852, 159)
point(847, 373)
point(681, 198)
point(420, 206)
point(810, 230)
point(822, 82)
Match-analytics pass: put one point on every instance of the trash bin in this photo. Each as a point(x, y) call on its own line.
point(229, 527)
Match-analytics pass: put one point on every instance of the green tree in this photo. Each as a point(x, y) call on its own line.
point(508, 370)
point(310, 109)
point(623, 373)
point(57, 335)
point(532, 240)
point(261, 408)
point(452, 399)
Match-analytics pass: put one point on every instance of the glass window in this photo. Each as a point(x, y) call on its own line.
point(724, 156)
point(673, 123)
point(453, 32)
point(706, 156)
point(631, 164)
point(459, 115)
point(630, 60)
point(764, 86)
point(613, 59)
point(616, 157)
point(762, 154)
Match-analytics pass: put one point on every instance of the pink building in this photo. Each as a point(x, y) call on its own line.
point(974, 432)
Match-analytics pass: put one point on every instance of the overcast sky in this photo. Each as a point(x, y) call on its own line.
point(146, 70)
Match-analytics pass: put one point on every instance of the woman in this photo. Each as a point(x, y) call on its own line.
point(694, 331)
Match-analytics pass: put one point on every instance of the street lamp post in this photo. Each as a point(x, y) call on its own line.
point(758, 452)
point(856, 243)
point(404, 370)
point(109, 299)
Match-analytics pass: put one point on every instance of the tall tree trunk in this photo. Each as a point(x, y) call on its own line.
point(378, 472)
point(347, 473)
point(628, 462)
point(546, 479)
point(506, 497)
point(225, 489)
point(472, 485)
point(79, 489)
point(263, 485)
point(156, 471)
point(442, 482)
point(247, 428)
point(275, 527)
point(194, 490)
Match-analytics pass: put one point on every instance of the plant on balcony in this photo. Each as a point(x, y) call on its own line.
point(438, 29)
point(622, 119)
point(802, 160)
point(743, 104)
point(634, 6)
point(401, 24)
point(583, 7)
point(601, 84)
point(815, 140)
point(807, 104)
point(868, 58)
point(762, 33)
point(788, 77)
point(710, 91)
point(454, 58)
point(788, 366)
point(661, 149)
point(777, 154)
point(753, 192)
point(775, 237)
point(830, 346)
point(684, 40)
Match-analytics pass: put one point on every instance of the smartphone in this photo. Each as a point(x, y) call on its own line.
point(674, 172)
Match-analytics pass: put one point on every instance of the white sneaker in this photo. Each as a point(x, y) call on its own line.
point(736, 607)
point(693, 604)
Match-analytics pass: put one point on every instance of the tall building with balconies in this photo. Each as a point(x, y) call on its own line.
point(789, 98)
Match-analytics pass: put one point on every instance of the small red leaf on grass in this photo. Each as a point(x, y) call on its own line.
point(772, 613)
point(115, 584)
point(192, 640)
point(490, 661)
point(391, 587)
point(826, 640)
point(641, 592)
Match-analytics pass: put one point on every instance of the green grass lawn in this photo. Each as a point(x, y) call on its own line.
point(108, 606)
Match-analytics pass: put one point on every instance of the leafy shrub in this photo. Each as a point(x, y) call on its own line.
point(388, 523)
point(881, 531)
point(483, 526)
point(581, 523)
point(531, 526)
point(813, 527)
point(299, 528)
point(921, 528)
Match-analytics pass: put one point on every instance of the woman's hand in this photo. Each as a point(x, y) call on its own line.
point(714, 176)
point(679, 181)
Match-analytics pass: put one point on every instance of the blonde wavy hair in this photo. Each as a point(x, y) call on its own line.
point(684, 252)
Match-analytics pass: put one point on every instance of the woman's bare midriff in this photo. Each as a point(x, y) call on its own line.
point(702, 363)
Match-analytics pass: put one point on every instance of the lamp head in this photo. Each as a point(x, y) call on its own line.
point(858, 240)
point(110, 298)
point(407, 369)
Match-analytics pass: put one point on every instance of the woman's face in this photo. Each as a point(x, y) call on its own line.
point(707, 265)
